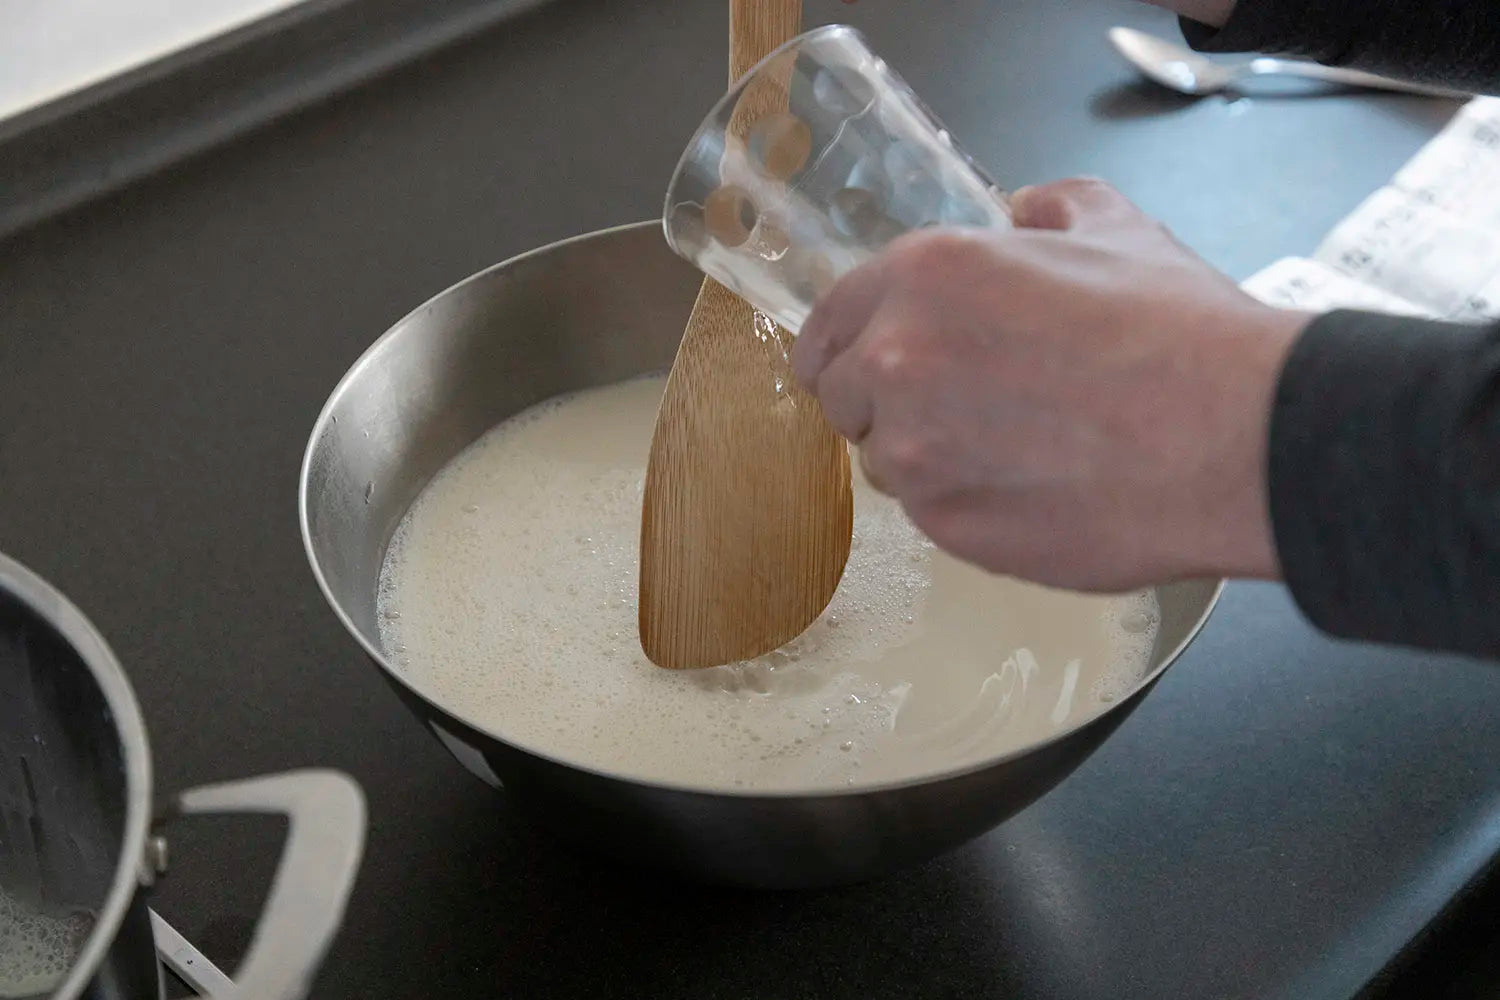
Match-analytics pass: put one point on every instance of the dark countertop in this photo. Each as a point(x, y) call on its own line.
point(1282, 817)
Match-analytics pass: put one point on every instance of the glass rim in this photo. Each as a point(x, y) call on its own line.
point(733, 95)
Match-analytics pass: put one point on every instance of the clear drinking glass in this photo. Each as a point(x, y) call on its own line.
point(814, 161)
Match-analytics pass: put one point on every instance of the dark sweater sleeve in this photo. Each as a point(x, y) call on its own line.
point(1454, 43)
point(1384, 480)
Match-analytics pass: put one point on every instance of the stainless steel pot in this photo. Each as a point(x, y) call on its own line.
point(77, 833)
point(584, 312)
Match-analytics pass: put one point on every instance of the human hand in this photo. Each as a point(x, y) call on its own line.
point(1081, 401)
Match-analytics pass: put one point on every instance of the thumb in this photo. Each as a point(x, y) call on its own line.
point(1076, 203)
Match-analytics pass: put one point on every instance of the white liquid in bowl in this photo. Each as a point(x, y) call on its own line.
point(36, 951)
point(508, 596)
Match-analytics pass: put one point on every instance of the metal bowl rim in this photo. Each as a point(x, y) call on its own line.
point(366, 359)
point(49, 604)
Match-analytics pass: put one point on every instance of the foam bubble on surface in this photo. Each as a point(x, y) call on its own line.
point(36, 950)
point(509, 595)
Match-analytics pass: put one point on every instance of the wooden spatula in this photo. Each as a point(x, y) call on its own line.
point(748, 510)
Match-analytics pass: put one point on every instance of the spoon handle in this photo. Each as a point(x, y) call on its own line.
point(1353, 77)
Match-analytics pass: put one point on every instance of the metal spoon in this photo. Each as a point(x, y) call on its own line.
point(1187, 72)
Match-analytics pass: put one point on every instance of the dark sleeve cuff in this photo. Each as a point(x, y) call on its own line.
point(1453, 44)
point(1384, 479)
point(1314, 30)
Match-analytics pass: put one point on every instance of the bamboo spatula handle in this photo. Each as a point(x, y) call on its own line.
point(747, 512)
point(756, 27)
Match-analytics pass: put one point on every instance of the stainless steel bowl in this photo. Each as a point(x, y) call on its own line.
point(583, 312)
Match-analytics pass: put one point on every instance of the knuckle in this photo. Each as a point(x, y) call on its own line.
point(931, 253)
point(903, 354)
point(907, 455)
point(888, 360)
point(1057, 197)
point(1047, 207)
point(1088, 191)
point(1088, 184)
point(1093, 198)
point(895, 341)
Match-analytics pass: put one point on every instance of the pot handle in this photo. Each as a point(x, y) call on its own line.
point(325, 840)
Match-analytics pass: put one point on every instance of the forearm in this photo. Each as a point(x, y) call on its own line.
point(1384, 480)
point(1455, 43)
